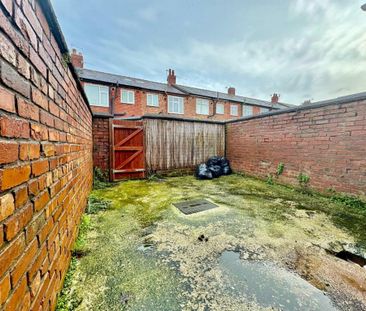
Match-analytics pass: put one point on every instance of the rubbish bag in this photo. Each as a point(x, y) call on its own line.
point(202, 172)
point(226, 170)
point(213, 168)
point(214, 161)
point(216, 170)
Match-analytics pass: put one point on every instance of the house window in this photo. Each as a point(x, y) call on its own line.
point(175, 104)
point(202, 106)
point(220, 108)
point(127, 97)
point(263, 110)
point(234, 110)
point(152, 100)
point(98, 95)
point(247, 111)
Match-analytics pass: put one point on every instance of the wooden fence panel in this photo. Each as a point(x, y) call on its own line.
point(176, 144)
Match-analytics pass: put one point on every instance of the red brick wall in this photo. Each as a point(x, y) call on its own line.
point(101, 143)
point(45, 159)
point(327, 143)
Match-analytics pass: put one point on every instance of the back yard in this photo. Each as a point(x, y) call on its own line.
point(265, 247)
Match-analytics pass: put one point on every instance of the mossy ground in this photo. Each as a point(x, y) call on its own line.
point(180, 273)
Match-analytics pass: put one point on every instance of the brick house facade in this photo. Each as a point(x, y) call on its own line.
point(126, 97)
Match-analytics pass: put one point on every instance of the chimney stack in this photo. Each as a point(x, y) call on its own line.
point(231, 90)
point(171, 79)
point(77, 59)
point(275, 98)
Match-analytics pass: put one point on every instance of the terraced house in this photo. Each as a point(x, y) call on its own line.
point(125, 97)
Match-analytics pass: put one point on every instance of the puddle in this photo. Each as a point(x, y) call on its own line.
point(271, 286)
point(348, 256)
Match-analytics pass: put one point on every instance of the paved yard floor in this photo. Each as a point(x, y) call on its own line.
point(265, 247)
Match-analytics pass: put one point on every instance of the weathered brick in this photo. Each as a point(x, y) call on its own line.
point(13, 80)
point(7, 50)
point(23, 67)
point(15, 128)
point(40, 167)
point(46, 118)
point(48, 149)
point(27, 110)
point(17, 222)
point(39, 99)
point(21, 196)
point(39, 132)
point(14, 176)
point(7, 206)
point(31, 75)
point(41, 201)
point(7, 100)
point(54, 109)
point(32, 18)
point(29, 151)
point(38, 63)
point(16, 299)
point(24, 262)
point(53, 135)
point(25, 27)
point(11, 253)
point(4, 288)
point(8, 152)
point(14, 34)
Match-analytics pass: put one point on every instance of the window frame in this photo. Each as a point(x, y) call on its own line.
point(152, 95)
point(237, 110)
point(199, 103)
point(128, 92)
point(223, 108)
point(265, 109)
point(101, 89)
point(245, 108)
point(171, 97)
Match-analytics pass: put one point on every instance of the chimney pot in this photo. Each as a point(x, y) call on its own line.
point(171, 79)
point(231, 90)
point(77, 59)
point(275, 97)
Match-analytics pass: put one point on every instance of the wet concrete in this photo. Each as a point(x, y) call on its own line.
point(144, 254)
point(271, 286)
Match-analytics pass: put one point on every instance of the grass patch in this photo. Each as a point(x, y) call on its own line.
point(68, 300)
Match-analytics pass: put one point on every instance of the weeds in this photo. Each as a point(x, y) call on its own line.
point(101, 179)
point(79, 249)
point(349, 201)
point(96, 205)
point(280, 168)
point(68, 300)
point(303, 179)
point(270, 179)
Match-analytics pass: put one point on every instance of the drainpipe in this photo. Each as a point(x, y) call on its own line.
point(114, 98)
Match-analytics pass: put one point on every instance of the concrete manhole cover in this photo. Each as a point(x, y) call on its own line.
point(194, 206)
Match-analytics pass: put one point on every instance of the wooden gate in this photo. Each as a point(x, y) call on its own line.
point(128, 159)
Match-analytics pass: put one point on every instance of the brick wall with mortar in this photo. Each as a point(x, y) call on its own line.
point(327, 143)
point(101, 143)
point(45, 158)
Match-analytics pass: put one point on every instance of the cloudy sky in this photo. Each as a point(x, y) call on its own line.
point(302, 49)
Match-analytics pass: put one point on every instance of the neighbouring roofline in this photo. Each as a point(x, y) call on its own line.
point(336, 101)
point(89, 75)
point(348, 99)
point(55, 28)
